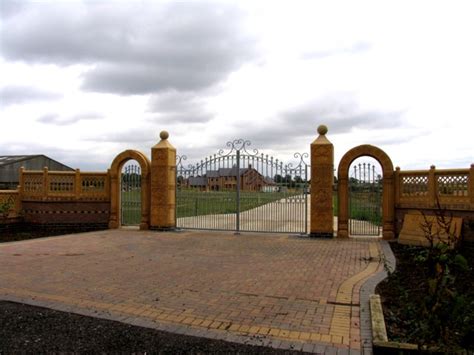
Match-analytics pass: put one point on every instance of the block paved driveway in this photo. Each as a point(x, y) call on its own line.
point(281, 289)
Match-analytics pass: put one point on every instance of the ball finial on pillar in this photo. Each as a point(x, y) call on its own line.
point(322, 129)
point(164, 135)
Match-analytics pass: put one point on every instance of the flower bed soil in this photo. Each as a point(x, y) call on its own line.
point(403, 291)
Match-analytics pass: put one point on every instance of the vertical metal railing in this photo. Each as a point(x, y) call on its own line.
point(365, 200)
point(237, 215)
point(305, 192)
point(243, 190)
point(131, 195)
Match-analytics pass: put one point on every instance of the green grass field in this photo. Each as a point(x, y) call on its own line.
point(131, 207)
point(365, 207)
point(362, 206)
point(198, 203)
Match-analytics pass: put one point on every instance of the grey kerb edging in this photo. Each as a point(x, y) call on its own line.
point(367, 289)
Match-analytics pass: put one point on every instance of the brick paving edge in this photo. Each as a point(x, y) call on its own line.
point(317, 348)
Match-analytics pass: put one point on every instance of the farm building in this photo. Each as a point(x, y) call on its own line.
point(10, 166)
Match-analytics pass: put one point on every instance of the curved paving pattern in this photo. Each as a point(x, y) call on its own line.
point(280, 291)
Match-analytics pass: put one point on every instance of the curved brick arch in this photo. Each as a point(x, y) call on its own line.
point(115, 173)
point(388, 207)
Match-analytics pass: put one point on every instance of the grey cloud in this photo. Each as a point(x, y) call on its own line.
point(179, 107)
point(144, 136)
point(72, 158)
point(10, 8)
point(340, 113)
point(135, 48)
point(397, 140)
point(358, 47)
point(17, 94)
point(55, 119)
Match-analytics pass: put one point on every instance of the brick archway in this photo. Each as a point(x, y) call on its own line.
point(388, 206)
point(115, 173)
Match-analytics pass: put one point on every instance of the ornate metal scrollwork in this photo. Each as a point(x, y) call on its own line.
point(179, 160)
point(301, 157)
point(238, 145)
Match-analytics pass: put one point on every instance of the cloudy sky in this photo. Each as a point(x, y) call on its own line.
point(82, 81)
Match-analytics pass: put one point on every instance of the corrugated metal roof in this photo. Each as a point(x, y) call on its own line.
point(11, 159)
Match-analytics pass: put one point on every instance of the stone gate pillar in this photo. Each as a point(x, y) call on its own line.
point(163, 185)
point(322, 180)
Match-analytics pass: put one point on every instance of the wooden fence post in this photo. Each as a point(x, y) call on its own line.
point(396, 181)
point(77, 182)
point(45, 182)
point(432, 187)
point(471, 187)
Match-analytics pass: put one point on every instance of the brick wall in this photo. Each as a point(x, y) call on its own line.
point(66, 212)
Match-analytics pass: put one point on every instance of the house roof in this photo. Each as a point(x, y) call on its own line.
point(197, 181)
point(225, 172)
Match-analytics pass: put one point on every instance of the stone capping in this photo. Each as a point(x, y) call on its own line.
point(379, 333)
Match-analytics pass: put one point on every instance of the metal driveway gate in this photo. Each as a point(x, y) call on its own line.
point(130, 195)
point(242, 190)
point(365, 200)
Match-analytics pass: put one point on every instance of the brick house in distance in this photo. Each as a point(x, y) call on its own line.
point(226, 179)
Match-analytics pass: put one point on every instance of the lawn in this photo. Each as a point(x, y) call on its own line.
point(362, 206)
point(190, 203)
point(198, 203)
point(365, 207)
point(131, 207)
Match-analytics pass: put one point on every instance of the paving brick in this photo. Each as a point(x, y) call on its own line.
point(171, 279)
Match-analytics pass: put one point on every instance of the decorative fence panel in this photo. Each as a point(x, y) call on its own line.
point(64, 186)
point(10, 204)
point(452, 188)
